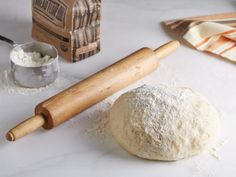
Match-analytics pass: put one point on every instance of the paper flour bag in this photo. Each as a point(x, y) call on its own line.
point(72, 26)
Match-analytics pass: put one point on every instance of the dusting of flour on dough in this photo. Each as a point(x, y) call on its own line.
point(163, 122)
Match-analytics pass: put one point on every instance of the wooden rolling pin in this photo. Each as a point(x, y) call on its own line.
point(90, 91)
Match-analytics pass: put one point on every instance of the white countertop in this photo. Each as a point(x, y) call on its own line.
point(127, 25)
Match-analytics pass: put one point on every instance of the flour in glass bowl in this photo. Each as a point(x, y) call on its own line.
point(29, 59)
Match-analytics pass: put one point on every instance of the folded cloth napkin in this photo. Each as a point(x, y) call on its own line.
point(215, 34)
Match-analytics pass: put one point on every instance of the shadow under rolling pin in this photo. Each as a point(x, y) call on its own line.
point(72, 101)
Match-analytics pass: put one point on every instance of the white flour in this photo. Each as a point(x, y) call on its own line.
point(63, 81)
point(99, 125)
point(29, 59)
point(214, 150)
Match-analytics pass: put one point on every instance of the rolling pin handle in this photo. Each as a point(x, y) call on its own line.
point(166, 49)
point(25, 128)
point(138, 65)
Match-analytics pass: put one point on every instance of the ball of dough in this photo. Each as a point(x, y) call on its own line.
point(163, 123)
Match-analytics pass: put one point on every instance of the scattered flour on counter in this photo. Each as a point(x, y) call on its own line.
point(95, 122)
point(99, 122)
point(214, 151)
point(63, 81)
point(203, 169)
point(29, 59)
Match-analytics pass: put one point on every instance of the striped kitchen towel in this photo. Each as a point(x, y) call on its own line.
point(215, 34)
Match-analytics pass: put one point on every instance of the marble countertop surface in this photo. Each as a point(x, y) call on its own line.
point(79, 147)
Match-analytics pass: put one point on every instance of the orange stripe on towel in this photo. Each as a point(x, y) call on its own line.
point(226, 50)
point(207, 39)
point(229, 32)
point(221, 41)
point(203, 42)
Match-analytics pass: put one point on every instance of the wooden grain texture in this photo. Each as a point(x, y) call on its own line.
point(26, 127)
point(90, 91)
point(99, 86)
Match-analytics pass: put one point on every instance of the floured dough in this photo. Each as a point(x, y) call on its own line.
point(163, 123)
